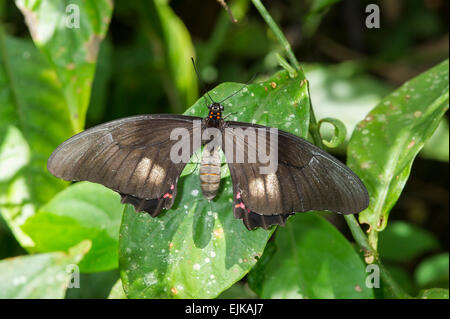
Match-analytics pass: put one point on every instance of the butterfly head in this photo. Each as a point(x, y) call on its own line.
point(215, 111)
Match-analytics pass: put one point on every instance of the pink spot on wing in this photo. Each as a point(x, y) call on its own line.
point(238, 195)
point(172, 186)
point(240, 205)
point(166, 195)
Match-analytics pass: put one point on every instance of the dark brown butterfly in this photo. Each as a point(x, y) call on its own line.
point(132, 156)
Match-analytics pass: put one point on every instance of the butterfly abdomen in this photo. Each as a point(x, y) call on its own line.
point(210, 173)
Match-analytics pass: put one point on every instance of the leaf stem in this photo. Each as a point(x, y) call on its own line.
point(372, 257)
point(313, 126)
point(278, 33)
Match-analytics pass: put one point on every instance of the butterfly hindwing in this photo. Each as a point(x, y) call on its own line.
point(130, 156)
point(306, 178)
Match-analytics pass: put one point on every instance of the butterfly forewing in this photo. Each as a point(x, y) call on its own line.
point(130, 156)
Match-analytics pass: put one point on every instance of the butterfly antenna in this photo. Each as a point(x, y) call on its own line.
point(244, 86)
point(200, 81)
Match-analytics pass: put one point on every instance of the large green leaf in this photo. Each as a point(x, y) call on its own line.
point(71, 49)
point(39, 276)
point(196, 249)
point(310, 259)
point(384, 145)
point(34, 119)
point(279, 102)
point(190, 251)
point(82, 211)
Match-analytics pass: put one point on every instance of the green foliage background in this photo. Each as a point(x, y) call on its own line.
point(377, 98)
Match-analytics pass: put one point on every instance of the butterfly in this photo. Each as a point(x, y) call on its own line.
point(139, 157)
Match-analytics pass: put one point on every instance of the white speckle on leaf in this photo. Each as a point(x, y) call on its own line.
point(196, 267)
point(194, 192)
point(150, 279)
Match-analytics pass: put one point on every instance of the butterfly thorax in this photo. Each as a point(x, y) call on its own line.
point(214, 118)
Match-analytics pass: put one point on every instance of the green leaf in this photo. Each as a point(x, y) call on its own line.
point(310, 259)
point(384, 145)
point(402, 241)
point(280, 102)
point(434, 293)
point(71, 49)
point(175, 42)
point(34, 120)
point(39, 276)
point(433, 271)
point(82, 211)
point(197, 250)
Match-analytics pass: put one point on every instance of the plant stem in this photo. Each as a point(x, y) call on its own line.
point(313, 126)
point(371, 256)
point(277, 31)
point(359, 236)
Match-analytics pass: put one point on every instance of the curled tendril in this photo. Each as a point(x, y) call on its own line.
point(340, 132)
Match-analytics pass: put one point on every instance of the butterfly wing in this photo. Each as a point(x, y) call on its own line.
point(306, 178)
point(130, 156)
